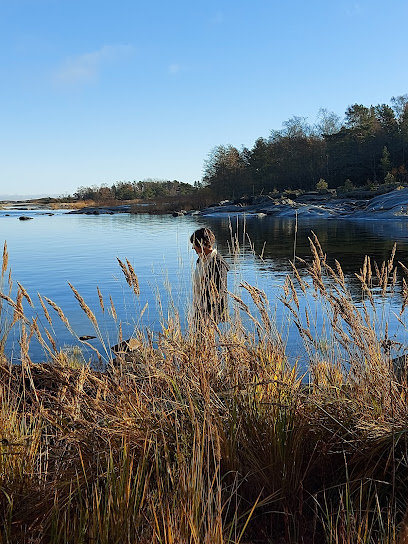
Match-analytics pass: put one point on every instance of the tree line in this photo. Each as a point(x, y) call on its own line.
point(368, 147)
point(134, 190)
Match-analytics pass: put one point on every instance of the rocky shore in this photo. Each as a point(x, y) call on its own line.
point(97, 210)
point(391, 205)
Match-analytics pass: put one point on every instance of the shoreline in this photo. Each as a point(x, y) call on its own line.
point(391, 205)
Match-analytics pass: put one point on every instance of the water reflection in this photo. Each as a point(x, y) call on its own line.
point(345, 241)
point(278, 240)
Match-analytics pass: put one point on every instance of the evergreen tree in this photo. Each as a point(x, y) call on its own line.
point(385, 162)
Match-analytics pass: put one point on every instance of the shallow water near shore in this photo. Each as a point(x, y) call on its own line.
point(50, 250)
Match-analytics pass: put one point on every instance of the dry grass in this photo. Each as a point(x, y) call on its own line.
point(75, 205)
point(80, 204)
point(214, 440)
point(163, 204)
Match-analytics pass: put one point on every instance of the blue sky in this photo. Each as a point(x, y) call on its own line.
point(97, 91)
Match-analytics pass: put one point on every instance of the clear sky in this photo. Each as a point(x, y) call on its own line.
point(98, 91)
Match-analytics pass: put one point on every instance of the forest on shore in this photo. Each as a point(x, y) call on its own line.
point(367, 148)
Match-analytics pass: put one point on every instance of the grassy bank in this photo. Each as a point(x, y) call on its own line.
point(211, 439)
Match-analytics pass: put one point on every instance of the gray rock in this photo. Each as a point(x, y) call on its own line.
point(390, 205)
point(96, 210)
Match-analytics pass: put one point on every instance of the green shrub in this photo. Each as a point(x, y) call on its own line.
point(322, 185)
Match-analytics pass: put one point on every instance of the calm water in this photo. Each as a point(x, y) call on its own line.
point(48, 251)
